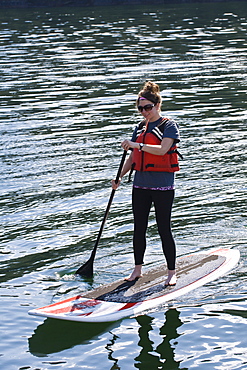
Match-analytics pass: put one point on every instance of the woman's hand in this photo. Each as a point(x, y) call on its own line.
point(114, 185)
point(127, 144)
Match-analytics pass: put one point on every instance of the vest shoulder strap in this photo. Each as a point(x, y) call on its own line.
point(141, 128)
point(157, 131)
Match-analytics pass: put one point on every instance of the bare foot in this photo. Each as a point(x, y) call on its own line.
point(137, 273)
point(171, 279)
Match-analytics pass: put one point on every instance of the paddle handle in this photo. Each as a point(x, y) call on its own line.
point(109, 204)
point(87, 269)
point(121, 166)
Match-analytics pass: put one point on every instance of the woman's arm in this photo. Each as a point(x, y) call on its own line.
point(126, 168)
point(161, 149)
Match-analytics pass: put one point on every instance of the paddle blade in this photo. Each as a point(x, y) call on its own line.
point(86, 270)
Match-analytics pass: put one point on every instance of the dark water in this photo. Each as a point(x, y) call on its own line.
point(69, 78)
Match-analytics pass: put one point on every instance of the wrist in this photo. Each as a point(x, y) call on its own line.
point(141, 145)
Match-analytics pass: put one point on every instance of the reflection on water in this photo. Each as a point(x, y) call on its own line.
point(57, 335)
point(161, 357)
point(69, 78)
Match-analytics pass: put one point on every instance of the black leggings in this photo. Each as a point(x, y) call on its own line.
point(142, 200)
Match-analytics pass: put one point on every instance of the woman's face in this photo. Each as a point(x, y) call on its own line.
point(151, 113)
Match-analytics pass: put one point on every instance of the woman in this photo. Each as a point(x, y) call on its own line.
point(154, 157)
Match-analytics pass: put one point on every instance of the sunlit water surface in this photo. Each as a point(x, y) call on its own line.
point(69, 78)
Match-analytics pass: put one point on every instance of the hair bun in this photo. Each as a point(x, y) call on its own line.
point(152, 87)
point(151, 92)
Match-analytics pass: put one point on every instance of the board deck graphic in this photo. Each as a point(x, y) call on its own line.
point(126, 298)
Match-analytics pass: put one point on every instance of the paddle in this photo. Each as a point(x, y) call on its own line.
point(86, 270)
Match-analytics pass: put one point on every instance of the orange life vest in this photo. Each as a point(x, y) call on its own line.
point(143, 161)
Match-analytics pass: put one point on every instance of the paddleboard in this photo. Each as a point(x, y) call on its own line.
point(127, 298)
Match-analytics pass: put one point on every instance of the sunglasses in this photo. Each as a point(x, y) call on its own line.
point(147, 107)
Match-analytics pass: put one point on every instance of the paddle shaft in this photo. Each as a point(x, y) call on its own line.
point(87, 269)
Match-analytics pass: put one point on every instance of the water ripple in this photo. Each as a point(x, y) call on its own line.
point(69, 79)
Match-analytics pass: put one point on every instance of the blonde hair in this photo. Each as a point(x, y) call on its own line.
point(151, 92)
